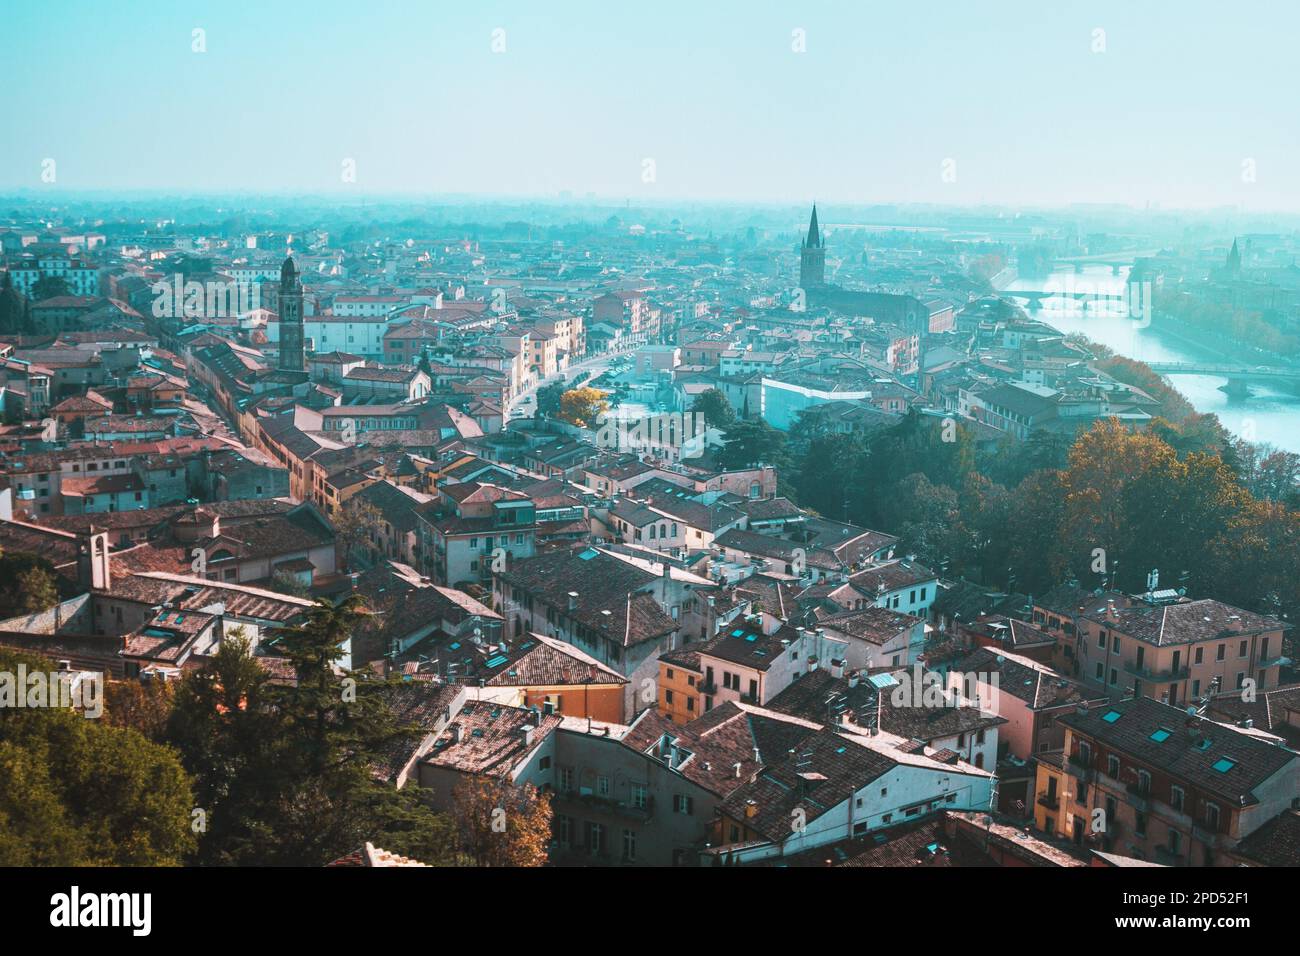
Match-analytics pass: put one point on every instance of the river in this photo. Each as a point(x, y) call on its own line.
point(1267, 415)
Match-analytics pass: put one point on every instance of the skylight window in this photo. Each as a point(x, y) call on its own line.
point(1110, 716)
point(1224, 764)
point(1161, 735)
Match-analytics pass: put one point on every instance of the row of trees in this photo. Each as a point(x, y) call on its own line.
point(1218, 514)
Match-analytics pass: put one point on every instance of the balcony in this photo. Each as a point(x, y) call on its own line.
point(1139, 796)
point(608, 805)
point(1050, 800)
point(1205, 834)
point(1077, 766)
point(1155, 675)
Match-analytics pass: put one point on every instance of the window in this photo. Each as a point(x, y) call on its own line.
point(1143, 782)
point(668, 697)
point(629, 845)
point(566, 779)
point(683, 804)
point(1242, 651)
point(602, 786)
point(639, 796)
point(1200, 654)
point(595, 838)
point(1218, 655)
point(563, 829)
point(1112, 767)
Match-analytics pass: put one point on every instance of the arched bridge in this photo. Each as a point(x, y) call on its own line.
point(1238, 374)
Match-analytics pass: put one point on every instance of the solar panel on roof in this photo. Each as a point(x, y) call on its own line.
point(497, 661)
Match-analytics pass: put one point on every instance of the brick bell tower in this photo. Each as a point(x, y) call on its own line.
point(812, 256)
point(291, 329)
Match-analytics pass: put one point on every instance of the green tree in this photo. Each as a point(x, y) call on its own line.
point(31, 584)
point(81, 792)
point(548, 399)
point(752, 443)
point(715, 408)
point(288, 770)
point(49, 287)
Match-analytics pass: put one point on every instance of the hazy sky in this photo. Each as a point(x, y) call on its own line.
point(1185, 99)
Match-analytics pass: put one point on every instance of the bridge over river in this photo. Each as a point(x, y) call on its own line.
point(1238, 374)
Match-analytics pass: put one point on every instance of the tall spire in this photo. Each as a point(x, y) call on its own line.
point(1234, 257)
point(812, 256)
point(814, 240)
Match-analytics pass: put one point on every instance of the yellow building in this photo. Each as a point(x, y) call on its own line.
point(680, 681)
